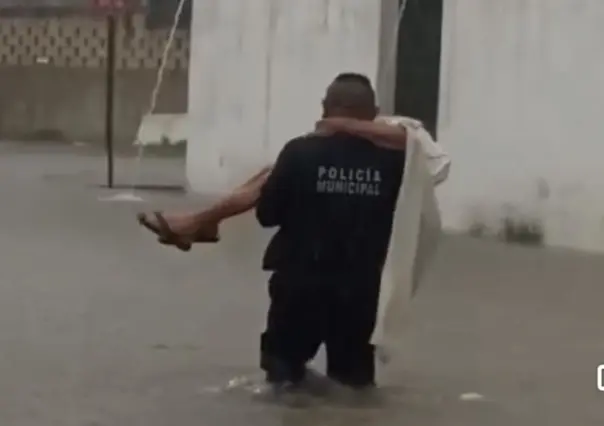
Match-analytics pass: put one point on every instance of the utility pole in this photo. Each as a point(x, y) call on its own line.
point(111, 9)
point(109, 95)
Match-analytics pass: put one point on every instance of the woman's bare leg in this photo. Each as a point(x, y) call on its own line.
point(203, 225)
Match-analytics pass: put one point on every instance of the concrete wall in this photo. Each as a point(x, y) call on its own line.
point(52, 77)
point(261, 69)
point(39, 103)
point(522, 93)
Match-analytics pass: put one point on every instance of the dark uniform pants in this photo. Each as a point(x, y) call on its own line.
point(309, 309)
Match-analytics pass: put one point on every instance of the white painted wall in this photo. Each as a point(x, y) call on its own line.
point(259, 69)
point(522, 98)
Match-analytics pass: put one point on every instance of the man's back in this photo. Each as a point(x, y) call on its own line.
point(333, 199)
point(340, 205)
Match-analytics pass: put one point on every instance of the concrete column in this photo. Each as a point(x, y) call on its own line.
point(258, 71)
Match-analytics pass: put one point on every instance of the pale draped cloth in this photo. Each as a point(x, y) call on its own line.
point(415, 235)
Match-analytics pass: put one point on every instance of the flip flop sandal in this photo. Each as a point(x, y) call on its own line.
point(200, 237)
point(163, 231)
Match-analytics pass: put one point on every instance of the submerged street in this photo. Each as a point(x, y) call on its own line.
point(101, 326)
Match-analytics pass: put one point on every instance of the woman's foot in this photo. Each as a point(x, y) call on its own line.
point(179, 230)
point(202, 232)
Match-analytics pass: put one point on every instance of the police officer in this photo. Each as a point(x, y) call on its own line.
point(333, 199)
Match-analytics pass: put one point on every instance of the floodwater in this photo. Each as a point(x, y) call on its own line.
point(100, 326)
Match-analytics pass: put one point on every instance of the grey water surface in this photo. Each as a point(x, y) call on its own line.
point(101, 326)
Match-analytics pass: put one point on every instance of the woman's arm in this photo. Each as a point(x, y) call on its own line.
point(394, 132)
point(381, 133)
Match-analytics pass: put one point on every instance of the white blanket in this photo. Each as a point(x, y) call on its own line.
point(416, 231)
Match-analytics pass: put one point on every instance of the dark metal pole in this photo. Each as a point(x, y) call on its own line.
point(110, 88)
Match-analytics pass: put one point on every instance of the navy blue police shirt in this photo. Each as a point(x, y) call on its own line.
point(333, 199)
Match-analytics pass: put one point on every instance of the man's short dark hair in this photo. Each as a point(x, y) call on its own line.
point(350, 91)
point(353, 77)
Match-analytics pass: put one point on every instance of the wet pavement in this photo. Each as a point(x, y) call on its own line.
point(100, 326)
